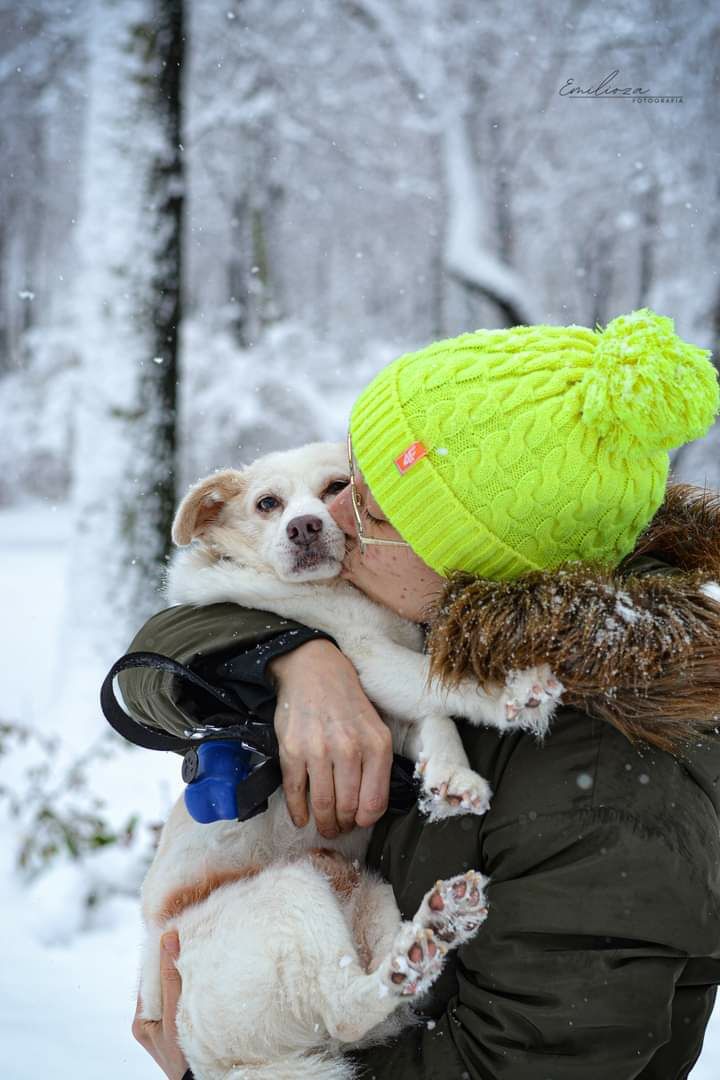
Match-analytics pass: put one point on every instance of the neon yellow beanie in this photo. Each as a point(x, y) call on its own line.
point(503, 451)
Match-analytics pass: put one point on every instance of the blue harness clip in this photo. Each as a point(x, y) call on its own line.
point(212, 773)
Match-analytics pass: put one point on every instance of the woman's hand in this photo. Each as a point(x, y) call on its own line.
point(159, 1037)
point(329, 732)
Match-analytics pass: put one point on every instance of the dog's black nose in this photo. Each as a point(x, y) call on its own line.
point(303, 530)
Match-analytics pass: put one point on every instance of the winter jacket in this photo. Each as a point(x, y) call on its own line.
point(600, 955)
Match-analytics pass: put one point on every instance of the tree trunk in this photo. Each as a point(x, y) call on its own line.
point(648, 244)
point(129, 312)
point(238, 273)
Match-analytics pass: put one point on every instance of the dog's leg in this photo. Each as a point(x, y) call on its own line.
point(354, 1002)
point(399, 681)
point(450, 914)
point(527, 700)
point(150, 988)
point(449, 785)
point(375, 920)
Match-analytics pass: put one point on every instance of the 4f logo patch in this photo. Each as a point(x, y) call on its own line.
point(408, 457)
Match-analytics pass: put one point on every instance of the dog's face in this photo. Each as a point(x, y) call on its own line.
point(272, 516)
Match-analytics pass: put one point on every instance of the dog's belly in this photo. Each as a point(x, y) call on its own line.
point(251, 957)
point(190, 852)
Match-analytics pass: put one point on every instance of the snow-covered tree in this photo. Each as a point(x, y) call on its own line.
point(364, 173)
point(42, 55)
point(128, 315)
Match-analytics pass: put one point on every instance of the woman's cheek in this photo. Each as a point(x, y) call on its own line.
point(369, 572)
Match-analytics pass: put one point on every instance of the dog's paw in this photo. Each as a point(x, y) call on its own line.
point(449, 790)
point(530, 698)
point(415, 961)
point(455, 908)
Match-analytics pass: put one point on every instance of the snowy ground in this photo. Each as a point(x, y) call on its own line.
point(67, 995)
point(67, 992)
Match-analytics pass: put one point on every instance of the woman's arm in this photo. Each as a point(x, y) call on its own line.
point(329, 734)
point(207, 639)
point(328, 731)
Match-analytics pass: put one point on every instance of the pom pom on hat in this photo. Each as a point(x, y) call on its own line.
point(646, 382)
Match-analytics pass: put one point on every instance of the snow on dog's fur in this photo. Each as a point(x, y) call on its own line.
point(289, 950)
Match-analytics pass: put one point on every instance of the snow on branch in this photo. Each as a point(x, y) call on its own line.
point(465, 257)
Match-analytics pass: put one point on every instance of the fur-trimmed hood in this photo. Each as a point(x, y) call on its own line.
point(638, 646)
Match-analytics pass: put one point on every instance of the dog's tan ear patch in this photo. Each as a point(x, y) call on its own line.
point(203, 504)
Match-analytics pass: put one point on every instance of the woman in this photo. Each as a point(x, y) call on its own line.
point(509, 490)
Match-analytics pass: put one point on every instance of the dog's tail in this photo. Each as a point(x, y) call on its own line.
point(296, 1067)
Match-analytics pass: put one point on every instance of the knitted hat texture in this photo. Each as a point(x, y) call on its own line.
point(503, 451)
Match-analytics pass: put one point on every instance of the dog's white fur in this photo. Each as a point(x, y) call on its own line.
point(272, 966)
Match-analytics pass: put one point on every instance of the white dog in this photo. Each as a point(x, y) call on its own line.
point(288, 949)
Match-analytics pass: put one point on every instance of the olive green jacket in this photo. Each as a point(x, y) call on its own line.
point(601, 951)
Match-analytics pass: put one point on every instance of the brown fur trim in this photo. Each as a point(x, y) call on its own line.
point(639, 651)
point(685, 531)
point(197, 891)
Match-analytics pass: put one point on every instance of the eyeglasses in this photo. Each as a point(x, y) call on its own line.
point(357, 511)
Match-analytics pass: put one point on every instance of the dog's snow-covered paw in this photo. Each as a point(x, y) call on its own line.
point(449, 790)
point(415, 961)
point(530, 698)
point(455, 908)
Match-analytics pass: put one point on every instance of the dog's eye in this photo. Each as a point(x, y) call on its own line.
point(336, 487)
point(267, 503)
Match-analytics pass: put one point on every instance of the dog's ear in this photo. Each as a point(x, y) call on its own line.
point(203, 504)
